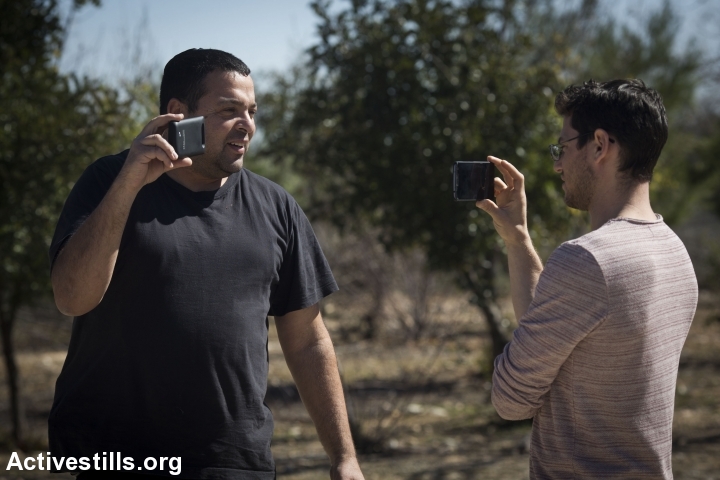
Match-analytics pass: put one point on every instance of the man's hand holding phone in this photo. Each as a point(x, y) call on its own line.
point(83, 268)
point(509, 214)
point(151, 155)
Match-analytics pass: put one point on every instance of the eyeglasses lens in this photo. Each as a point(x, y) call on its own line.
point(555, 151)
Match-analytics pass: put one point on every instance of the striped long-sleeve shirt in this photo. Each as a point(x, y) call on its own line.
point(594, 360)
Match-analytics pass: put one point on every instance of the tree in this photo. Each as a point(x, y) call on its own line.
point(53, 126)
point(394, 92)
point(392, 95)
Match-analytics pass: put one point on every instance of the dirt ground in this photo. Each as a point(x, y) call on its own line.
point(422, 406)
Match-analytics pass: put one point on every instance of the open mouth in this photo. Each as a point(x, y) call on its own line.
point(237, 146)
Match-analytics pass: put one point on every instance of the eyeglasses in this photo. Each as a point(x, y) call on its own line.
point(557, 148)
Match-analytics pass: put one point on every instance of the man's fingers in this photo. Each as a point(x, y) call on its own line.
point(174, 165)
point(511, 174)
point(182, 162)
point(158, 124)
point(499, 187)
point(157, 153)
point(489, 206)
point(505, 173)
point(148, 153)
point(162, 150)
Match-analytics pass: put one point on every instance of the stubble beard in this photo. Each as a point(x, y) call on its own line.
point(228, 169)
point(211, 165)
point(580, 194)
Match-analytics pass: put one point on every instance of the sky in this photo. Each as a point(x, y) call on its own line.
point(107, 41)
point(122, 37)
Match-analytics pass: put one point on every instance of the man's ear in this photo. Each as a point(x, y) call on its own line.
point(603, 145)
point(176, 106)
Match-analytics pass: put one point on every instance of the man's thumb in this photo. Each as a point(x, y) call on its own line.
point(487, 205)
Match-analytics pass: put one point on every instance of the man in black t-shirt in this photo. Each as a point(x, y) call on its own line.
point(171, 266)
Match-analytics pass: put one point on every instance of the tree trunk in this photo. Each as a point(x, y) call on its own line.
point(492, 314)
point(420, 302)
point(374, 268)
point(7, 321)
point(370, 319)
point(480, 280)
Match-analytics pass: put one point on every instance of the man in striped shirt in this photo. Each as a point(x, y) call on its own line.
point(595, 357)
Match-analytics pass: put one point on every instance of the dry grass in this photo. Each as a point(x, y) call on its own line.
point(427, 400)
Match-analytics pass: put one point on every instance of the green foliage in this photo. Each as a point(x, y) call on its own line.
point(394, 93)
point(276, 107)
point(31, 33)
point(53, 126)
point(706, 171)
point(614, 51)
point(701, 175)
point(686, 180)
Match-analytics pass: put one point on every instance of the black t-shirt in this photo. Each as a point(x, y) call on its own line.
point(173, 361)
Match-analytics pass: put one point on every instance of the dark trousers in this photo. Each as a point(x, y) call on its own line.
point(114, 475)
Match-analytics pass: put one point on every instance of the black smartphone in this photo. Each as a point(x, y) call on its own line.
point(473, 180)
point(187, 137)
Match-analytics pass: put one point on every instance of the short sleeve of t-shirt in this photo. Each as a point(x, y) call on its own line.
point(86, 195)
point(305, 277)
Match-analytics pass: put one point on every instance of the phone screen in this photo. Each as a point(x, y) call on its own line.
point(473, 180)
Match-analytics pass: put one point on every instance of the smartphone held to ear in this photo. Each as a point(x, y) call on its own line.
point(187, 137)
point(473, 181)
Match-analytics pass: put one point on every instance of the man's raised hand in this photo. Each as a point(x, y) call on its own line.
point(509, 214)
point(151, 155)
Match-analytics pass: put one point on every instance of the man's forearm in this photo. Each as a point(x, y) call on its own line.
point(315, 372)
point(525, 268)
point(83, 268)
point(509, 216)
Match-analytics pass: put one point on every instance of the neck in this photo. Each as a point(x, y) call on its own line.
point(195, 182)
point(620, 201)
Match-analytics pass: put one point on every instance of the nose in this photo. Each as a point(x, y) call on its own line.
point(557, 166)
point(246, 123)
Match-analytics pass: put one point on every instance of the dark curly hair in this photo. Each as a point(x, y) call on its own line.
point(628, 110)
point(185, 73)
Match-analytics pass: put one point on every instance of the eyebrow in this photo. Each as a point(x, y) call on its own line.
point(234, 101)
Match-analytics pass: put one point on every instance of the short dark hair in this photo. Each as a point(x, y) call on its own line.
point(184, 75)
point(626, 109)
